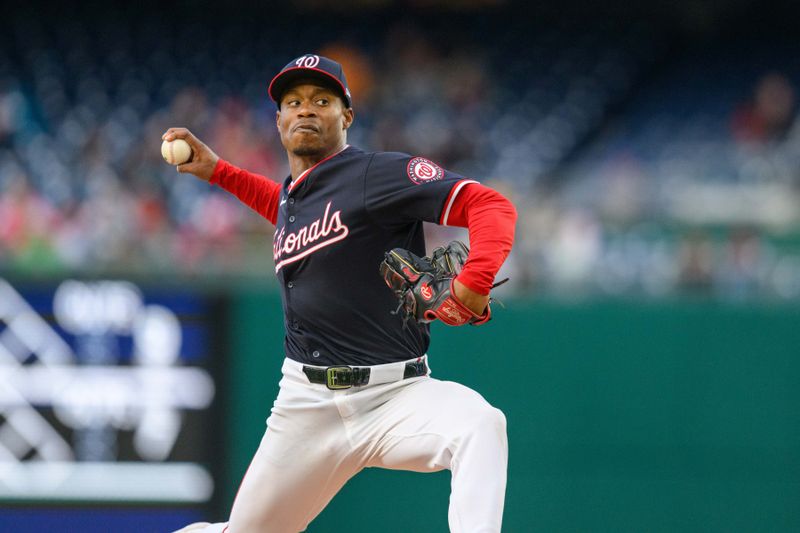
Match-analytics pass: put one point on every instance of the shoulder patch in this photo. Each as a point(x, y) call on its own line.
point(421, 170)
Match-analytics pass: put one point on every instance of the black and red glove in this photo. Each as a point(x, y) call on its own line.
point(424, 285)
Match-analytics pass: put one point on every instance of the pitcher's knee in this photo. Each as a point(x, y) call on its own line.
point(489, 420)
point(497, 420)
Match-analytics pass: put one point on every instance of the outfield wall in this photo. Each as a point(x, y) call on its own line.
point(622, 416)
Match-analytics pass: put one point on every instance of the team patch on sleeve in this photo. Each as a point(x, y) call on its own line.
point(421, 170)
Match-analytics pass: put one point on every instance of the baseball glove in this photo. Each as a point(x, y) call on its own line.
point(424, 285)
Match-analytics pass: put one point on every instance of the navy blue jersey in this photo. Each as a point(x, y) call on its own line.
point(335, 222)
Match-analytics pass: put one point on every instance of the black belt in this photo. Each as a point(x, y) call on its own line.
point(344, 377)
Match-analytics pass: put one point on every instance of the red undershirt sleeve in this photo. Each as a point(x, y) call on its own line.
point(490, 218)
point(259, 193)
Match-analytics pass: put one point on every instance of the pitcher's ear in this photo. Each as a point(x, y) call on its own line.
point(348, 117)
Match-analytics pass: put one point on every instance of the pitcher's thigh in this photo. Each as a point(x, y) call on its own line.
point(423, 426)
point(286, 486)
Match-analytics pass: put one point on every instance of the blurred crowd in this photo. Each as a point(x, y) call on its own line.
point(618, 191)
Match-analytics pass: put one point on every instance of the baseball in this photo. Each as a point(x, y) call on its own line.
point(176, 152)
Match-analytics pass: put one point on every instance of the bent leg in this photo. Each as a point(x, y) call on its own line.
point(285, 488)
point(303, 460)
point(433, 425)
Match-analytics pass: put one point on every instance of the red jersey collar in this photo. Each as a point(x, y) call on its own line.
point(307, 171)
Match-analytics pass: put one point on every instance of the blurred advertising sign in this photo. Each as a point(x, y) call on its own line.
point(103, 393)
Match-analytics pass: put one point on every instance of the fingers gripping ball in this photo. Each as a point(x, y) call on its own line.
point(176, 152)
point(424, 285)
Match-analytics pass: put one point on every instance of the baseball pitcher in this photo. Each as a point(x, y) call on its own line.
point(358, 295)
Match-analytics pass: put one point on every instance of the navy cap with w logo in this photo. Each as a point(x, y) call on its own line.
point(314, 67)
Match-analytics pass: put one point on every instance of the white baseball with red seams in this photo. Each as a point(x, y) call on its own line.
point(176, 152)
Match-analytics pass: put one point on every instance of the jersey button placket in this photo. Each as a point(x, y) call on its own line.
point(293, 322)
point(290, 209)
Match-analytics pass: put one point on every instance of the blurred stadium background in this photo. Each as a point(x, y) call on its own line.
point(648, 358)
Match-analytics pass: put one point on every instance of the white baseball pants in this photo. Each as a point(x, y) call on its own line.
point(317, 439)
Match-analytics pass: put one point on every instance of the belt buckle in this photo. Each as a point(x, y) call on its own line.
point(339, 377)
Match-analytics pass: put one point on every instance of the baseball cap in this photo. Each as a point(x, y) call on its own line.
point(310, 66)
